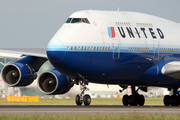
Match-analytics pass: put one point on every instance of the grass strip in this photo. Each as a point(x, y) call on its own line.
point(94, 101)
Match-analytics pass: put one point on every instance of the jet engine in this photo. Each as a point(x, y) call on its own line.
point(18, 74)
point(53, 82)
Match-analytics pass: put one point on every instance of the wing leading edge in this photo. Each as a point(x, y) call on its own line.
point(20, 52)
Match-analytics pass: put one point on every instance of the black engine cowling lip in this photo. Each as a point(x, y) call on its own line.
point(4, 79)
point(39, 86)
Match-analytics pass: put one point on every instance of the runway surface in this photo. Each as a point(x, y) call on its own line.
point(49, 109)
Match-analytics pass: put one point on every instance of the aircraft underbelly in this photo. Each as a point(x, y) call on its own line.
point(101, 65)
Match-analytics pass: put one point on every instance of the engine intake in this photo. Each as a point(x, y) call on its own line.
point(53, 82)
point(18, 74)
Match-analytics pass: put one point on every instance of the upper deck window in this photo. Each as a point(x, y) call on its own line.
point(77, 20)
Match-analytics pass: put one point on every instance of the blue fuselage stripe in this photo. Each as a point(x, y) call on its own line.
point(108, 67)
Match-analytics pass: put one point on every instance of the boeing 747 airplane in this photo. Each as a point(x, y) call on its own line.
point(106, 47)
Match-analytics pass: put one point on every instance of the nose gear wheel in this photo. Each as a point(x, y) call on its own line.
point(81, 98)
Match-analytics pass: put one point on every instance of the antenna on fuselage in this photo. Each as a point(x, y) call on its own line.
point(118, 9)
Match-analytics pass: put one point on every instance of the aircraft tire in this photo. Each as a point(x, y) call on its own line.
point(78, 101)
point(141, 100)
point(87, 100)
point(133, 100)
point(166, 100)
point(174, 100)
point(125, 100)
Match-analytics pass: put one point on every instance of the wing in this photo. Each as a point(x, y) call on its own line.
point(23, 72)
point(36, 56)
point(20, 52)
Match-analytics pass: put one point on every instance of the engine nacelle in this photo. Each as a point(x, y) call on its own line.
point(53, 82)
point(18, 74)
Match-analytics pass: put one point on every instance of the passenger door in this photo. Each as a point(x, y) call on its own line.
point(156, 50)
point(116, 50)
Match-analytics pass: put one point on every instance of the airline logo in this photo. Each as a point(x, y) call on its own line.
point(153, 31)
point(111, 32)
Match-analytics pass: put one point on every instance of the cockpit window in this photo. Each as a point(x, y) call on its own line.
point(77, 20)
point(68, 20)
point(86, 20)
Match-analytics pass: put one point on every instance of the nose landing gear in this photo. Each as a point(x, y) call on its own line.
point(80, 98)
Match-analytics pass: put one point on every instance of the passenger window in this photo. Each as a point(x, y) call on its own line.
point(92, 48)
point(79, 48)
point(97, 48)
point(67, 47)
point(110, 49)
point(82, 48)
point(75, 48)
point(106, 48)
point(85, 48)
point(101, 48)
point(71, 47)
point(89, 48)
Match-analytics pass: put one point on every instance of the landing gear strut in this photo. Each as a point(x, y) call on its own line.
point(80, 98)
point(173, 100)
point(134, 99)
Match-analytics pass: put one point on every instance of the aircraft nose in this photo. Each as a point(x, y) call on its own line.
point(56, 51)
